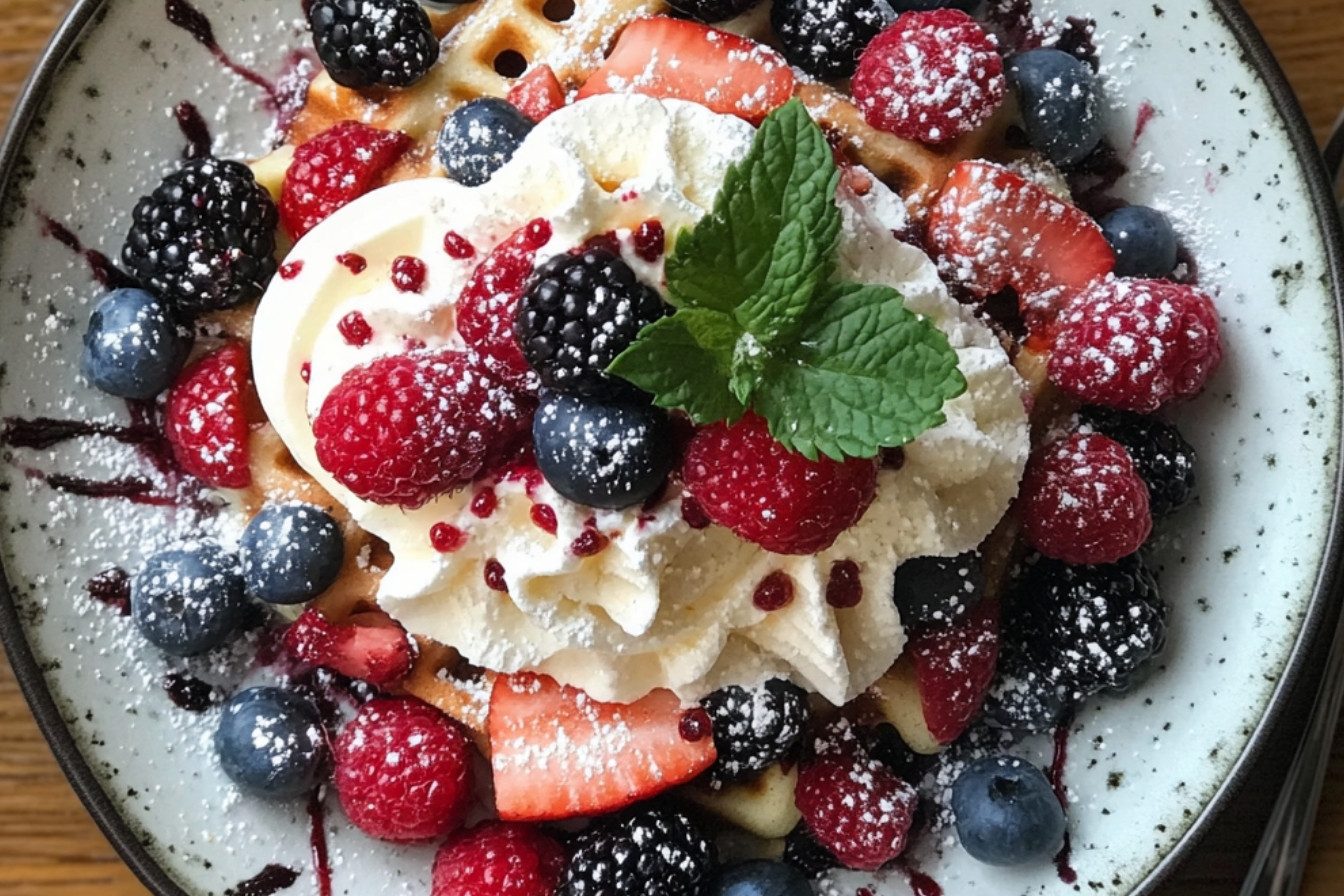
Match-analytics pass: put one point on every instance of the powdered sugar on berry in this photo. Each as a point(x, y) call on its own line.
point(662, 603)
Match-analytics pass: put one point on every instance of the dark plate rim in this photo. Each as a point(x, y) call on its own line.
point(1318, 629)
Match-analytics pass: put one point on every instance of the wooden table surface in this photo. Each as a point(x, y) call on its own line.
point(49, 845)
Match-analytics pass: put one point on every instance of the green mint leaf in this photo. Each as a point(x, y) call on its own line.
point(685, 361)
point(867, 373)
point(770, 240)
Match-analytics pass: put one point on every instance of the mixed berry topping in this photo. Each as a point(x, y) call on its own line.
point(206, 419)
point(498, 859)
point(134, 347)
point(1161, 455)
point(1007, 811)
point(271, 743)
point(369, 646)
point(189, 599)
point(825, 37)
point(478, 137)
point(711, 11)
point(654, 851)
point(754, 727)
point(1060, 106)
point(333, 169)
point(373, 43)
point(204, 239)
point(933, 591)
point(1145, 243)
point(291, 553)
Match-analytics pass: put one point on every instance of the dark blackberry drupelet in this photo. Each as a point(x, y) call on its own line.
point(363, 43)
point(937, 591)
point(653, 851)
point(825, 37)
point(1163, 458)
point(802, 851)
point(754, 728)
point(1023, 698)
point(711, 11)
point(1089, 628)
point(204, 239)
point(580, 312)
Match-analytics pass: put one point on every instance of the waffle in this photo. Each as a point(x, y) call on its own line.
point(485, 47)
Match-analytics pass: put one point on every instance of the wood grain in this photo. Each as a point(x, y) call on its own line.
point(50, 846)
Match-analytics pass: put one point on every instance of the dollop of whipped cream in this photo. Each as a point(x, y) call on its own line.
point(663, 604)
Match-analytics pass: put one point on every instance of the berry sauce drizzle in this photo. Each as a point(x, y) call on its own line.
point(271, 879)
point(317, 841)
point(189, 692)
point(1056, 772)
point(194, 129)
point(282, 97)
point(107, 274)
point(920, 883)
point(112, 587)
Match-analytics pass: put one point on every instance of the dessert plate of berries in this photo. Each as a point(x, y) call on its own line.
point(604, 447)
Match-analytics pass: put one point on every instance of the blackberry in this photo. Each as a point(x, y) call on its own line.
point(754, 728)
point(1164, 459)
point(578, 314)
point(802, 851)
point(1023, 698)
point(204, 239)
point(1090, 628)
point(654, 852)
point(711, 11)
point(825, 37)
point(937, 591)
point(363, 43)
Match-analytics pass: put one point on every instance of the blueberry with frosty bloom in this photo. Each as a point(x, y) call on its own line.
point(134, 347)
point(188, 599)
point(270, 742)
point(602, 453)
point(291, 553)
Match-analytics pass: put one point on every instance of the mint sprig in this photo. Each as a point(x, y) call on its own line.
point(835, 368)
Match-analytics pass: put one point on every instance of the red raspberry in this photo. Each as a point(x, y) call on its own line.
point(853, 804)
point(370, 646)
point(743, 479)
point(403, 770)
point(206, 417)
point(1136, 344)
point(498, 858)
point(489, 302)
point(1083, 502)
point(929, 76)
point(338, 165)
point(403, 429)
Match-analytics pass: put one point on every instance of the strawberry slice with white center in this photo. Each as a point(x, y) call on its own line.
point(557, 753)
point(991, 229)
point(679, 59)
point(206, 420)
point(369, 646)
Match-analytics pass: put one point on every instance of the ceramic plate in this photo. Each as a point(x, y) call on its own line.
point(1206, 127)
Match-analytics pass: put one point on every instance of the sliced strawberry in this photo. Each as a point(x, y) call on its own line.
point(370, 646)
point(953, 668)
point(557, 753)
point(338, 165)
point(680, 59)
point(537, 93)
point(991, 229)
point(206, 417)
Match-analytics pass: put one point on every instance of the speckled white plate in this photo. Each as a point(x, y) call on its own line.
point(1207, 125)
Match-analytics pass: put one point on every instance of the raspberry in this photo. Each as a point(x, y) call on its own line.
point(204, 239)
point(1136, 344)
point(854, 805)
point(498, 858)
point(363, 43)
point(489, 303)
point(1082, 500)
point(743, 479)
point(337, 166)
point(579, 313)
point(930, 76)
point(403, 429)
point(403, 770)
point(206, 417)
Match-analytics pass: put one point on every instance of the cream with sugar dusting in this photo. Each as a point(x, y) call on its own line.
point(663, 604)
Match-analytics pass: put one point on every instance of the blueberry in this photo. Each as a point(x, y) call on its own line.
point(188, 599)
point(1058, 96)
point(1143, 240)
point(938, 590)
point(291, 553)
point(1007, 812)
point(133, 347)
point(270, 742)
point(478, 137)
point(761, 877)
point(603, 453)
